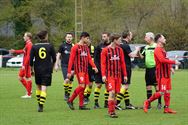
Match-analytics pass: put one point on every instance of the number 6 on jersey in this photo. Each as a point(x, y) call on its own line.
point(42, 53)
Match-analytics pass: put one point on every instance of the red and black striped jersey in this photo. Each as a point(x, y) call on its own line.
point(80, 57)
point(112, 62)
point(163, 64)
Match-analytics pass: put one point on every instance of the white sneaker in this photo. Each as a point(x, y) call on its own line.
point(26, 97)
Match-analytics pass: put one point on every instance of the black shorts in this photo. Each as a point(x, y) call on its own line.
point(98, 78)
point(150, 77)
point(129, 72)
point(64, 72)
point(91, 74)
point(43, 79)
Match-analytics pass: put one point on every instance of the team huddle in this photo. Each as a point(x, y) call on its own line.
point(107, 64)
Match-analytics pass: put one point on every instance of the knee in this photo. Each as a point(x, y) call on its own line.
point(99, 85)
point(148, 87)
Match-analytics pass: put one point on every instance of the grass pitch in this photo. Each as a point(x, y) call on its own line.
point(17, 111)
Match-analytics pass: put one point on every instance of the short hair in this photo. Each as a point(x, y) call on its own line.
point(28, 34)
point(151, 35)
point(84, 34)
point(157, 37)
point(68, 33)
point(114, 36)
point(42, 34)
point(125, 33)
point(108, 34)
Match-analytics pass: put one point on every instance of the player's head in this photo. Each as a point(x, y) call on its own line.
point(68, 37)
point(105, 37)
point(159, 38)
point(115, 38)
point(27, 36)
point(149, 37)
point(127, 35)
point(43, 35)
point(85, 37)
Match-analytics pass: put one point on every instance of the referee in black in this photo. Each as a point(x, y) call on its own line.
point(42, 59)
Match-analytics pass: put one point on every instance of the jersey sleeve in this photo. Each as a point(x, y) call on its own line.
point(123, 65)
point(90, 60)
point(97, 57)
point(20, 51)
point(126, 48)
point(159, 55)
point(53, 54)
point(60, 48)
point(72, 58)
point(103, 62)
point(27, 54)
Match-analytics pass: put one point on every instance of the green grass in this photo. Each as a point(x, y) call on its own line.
point(17, 111)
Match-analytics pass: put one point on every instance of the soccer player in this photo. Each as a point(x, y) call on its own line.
point(25, 71)
point(150, 77)
point(163, 71)
point(128, 54)
point(64, 54)
point(44, 57)
point(81, 58)
point(91, 73)
point(112, 68)
point(98, 77)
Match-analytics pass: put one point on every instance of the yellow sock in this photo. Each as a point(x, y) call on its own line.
point(42, 97)
point(38, 92)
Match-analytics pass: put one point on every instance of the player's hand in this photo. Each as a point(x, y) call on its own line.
point(138, 48)
point(56, 68)
point(172, 71)
point(23, 67)
point(104, 79)
point(69, 75)
point(72, 73)
point(96, 70)
point(125, 79)
point(11, 50)
point(177, 62)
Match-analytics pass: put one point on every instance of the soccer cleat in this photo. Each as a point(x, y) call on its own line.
point(26, 97)
point(83, 108)
point(86, 101)
point(170, 111)
point(96, 106)
point(118, 107)
point(105, 104)
point(66, 97)
point(40, 108)
point(70, 104)
point(130, 106)
point(146, 105)
point(113, 115)
point(159, 106)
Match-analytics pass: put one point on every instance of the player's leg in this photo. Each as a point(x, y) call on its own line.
point(106, 94)
point(111, 98)
point(167, 95)
point(128, 105)
point(28, 80)
point(98, 81)
point(155, 96)
point(87, 92)
point(22, 79)
point(66, 83)
point(119, 97)
point(79, 88)
point(45, 81)
point(159, 105)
